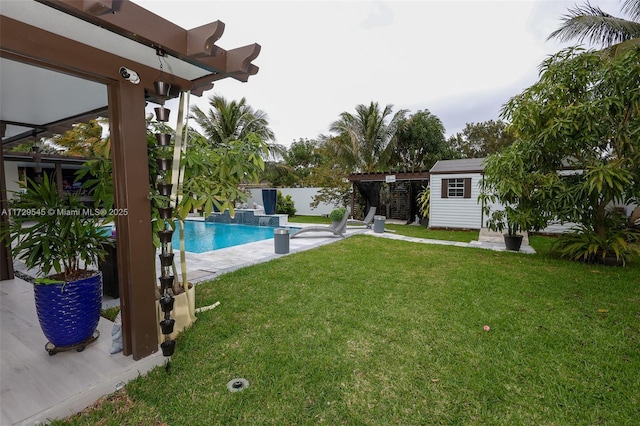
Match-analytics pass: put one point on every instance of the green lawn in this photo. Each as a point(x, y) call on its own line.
point(371, 331)
point(409, 231)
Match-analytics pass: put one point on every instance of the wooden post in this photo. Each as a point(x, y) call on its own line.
point(6, 261)
point(135, 251)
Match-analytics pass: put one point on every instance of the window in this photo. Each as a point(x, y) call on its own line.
point(456, 188)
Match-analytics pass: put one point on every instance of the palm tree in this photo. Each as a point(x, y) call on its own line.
point(590, 23)
point(365, 140)
point(228, 121)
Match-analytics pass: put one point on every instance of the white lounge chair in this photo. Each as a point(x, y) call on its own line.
point(337, 229)
point(368, 220)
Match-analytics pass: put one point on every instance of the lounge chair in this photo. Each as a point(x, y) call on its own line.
point(368, 220)
point(335, 228)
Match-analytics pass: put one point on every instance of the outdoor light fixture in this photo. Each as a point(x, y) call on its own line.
point(130, 75)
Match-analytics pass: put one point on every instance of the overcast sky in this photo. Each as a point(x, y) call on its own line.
point(461, 60)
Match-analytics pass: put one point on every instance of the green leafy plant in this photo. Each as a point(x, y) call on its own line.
point(424, 201)
point(336, 215)
point(586, 245)
point(53, 231)
point(285, 205)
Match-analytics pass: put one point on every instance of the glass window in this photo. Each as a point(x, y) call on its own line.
point(455, 188)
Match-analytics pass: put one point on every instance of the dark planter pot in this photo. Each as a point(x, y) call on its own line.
point(165, 236)
point(164, 139)
point(167, 325)
point(166, 259)
point(168, 347)
point(611, 260)
point(164, 189)
point(166, 282)
point(513, 242)
point(269, 197)
point(162, 88)
point(165, 212)
point(69, 313)
point(162, 114)
point(164, 163)
point(166, 303)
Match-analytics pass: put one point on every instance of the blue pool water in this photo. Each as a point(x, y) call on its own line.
point(200, 236)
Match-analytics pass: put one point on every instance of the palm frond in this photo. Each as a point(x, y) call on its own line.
point(632, 9)
point(590, 23)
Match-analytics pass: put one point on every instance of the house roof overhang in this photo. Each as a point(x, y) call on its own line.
point(39, 39)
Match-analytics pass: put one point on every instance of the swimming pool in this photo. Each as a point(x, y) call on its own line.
point(201, 236)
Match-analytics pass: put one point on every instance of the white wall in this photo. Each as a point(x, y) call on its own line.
point(302, 198)
point(455, 212)
point(11, 178)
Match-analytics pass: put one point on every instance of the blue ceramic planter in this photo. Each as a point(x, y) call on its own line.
point(69, 313)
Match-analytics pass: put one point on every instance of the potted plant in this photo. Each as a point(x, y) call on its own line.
point(54, 233)
point(336, 215)
point(514, 220)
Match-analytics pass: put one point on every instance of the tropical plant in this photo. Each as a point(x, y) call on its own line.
point(577, 152)
point(228, 121)
point(584, 244)
point(365, 140)
point(285, 205)
point(419, 143)
point(424, 201)
point(479, 140)
point(83, 139)
point(57, 233)
point(590, 23)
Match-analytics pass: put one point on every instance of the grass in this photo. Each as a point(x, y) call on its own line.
point(376, 331)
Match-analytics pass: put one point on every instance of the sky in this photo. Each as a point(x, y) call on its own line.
point(461, 60)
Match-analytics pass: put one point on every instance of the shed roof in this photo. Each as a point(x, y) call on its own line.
point(465, 165)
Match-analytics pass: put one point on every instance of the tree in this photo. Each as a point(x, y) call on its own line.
point(365, 140)
point(420, 143)
point(599, 28)
point(81, 139)
point(478, 140)
point(583, 115)
point(233, 121)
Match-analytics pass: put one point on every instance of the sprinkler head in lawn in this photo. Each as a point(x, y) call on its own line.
point(236, 385)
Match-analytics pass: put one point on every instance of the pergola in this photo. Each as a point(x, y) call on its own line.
point(370, 183)
point(60, 63)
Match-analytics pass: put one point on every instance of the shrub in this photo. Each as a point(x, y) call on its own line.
point(285, 205)
point(337, 214)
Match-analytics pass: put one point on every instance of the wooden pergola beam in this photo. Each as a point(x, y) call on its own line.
point(196, 45)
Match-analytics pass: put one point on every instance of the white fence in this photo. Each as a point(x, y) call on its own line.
point(302, 198)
